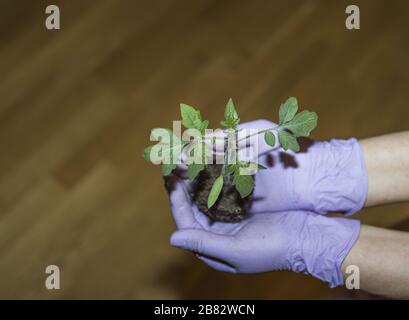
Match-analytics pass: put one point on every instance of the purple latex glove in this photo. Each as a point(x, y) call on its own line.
point(325, 176)
point(298, 241)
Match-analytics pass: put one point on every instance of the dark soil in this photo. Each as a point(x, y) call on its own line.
point(229, 207)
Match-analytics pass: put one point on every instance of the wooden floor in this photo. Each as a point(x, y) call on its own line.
point(77, 105)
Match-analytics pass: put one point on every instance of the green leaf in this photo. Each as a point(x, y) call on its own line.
point(230, 111)
point(147, 153)
point(168, 168)
point(193, 170)
point(231, 118)
point(302, 124)
point(204, 126)
point(288, 141)
point(270, 138)
point(288, 110)
point(244, 184)
point(191, 117)
point(250, 167)
point(215, 191)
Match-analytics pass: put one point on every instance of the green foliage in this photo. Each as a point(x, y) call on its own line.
point(302, 124)
point(215, 191)
point(166, 151)
point(198, 158)
point(288, 110)
point(299, 125)
point(231, 118)
point(250, 166)
point(244, 184)
point(168, 168)
point(192, 119)
point(231, 168)
point(199, 153)
point(169, 147)
point(194, 169)
point(288, 141)
point(147, 153)
point(270, 138)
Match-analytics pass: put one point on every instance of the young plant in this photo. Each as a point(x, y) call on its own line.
point(235, 171)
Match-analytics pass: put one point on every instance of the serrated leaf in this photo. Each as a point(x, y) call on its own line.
point(230, 125)
point(288, 110)
point(231, 118)
point(244, 184)
point(288, 141)
point(193, 170)
point(215, 191)
point(260, 167)
point(191, 117)
point(270, 138)
point(168, 168)
point(302, 124)
point(230, 113)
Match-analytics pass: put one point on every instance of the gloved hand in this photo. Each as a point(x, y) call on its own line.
point(325, 176)
point(297, 241)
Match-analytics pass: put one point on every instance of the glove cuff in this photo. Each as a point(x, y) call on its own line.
point(325, 243)
point(345, 186)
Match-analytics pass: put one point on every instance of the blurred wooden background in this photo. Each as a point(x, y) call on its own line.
point(77, 105)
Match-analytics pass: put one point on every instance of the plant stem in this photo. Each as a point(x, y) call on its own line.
point(257, 133)
point(250, 135)
point(229, 154)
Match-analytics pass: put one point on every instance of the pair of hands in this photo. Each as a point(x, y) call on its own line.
point(285, 229)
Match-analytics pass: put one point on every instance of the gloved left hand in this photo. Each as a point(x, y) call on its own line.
point(298, 241)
